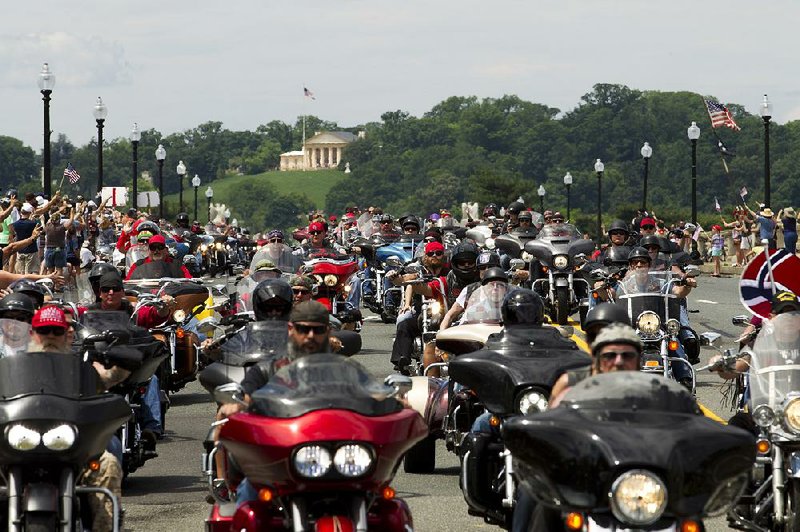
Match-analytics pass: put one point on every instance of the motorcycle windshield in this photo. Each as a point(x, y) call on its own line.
point(279, 254)
point(14, 337)
point(85, 294)
point(323, 382)
point(483, 305)
point(135, 253)
point(259, 340)
point(552, 232)
point(246, 286)
point(646, 290)
point(775, 363)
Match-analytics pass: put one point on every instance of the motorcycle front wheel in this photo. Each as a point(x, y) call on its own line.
point(40, 521)
point(793, 506)
point(562, 305)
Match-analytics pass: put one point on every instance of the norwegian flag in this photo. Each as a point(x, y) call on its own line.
point(755, 285)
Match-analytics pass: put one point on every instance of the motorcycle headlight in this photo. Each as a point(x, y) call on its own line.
point(638, 497)
point(218, 245)
point(648, 322)
point(352, 460)
point(60, 438)
point(436, 308)
point(179, 315)
point(330, 280)
point(791, 415)
point(531, 401)
point(560, 261)
point(204, 247)
point(22, 438)
point(312, 461)
point(763, 416)
point(673, 326)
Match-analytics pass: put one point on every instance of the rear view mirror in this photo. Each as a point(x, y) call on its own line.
point(414, 267)
point(394, 262)
point(230, 392)
point(742, 320)
point(693, 272)
point(708, 338)
point(517, 264)
point(400, 383)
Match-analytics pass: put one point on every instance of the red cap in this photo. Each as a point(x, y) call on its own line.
point(647, 221)
point(316, 226)
point(349, 215)
point(433, 246)
point(49, 316)
point(157, 239)
point(716, 227)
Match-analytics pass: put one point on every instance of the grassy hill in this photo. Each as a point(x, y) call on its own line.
point(314, 184)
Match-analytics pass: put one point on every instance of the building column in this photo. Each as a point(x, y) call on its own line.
point(338, 156)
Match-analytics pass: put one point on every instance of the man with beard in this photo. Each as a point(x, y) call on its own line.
point(158, 263)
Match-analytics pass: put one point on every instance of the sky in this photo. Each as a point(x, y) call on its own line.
point(176, 64)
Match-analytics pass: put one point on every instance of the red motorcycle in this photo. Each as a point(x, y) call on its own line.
point(320, 445)
point(332, 275)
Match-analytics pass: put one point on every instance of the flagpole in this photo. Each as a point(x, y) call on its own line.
point(765, 243)
point(304, 127)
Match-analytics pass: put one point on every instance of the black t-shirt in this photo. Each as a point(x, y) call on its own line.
point(259, 374)
point(23, 228)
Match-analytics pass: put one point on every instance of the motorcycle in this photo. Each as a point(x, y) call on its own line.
point(332, 275)
point(55, 424)
point(320, 443)
point(559, 279)
point(279, 254)
point(381, 297)
point(613, 456)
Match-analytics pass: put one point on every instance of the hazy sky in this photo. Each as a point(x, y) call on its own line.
point(173, 64)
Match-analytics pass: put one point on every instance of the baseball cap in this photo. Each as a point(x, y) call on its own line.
point(617, 333)
point(311, 311)
point(785, 301)
point(264, 264)
point(301, 280)
point(647, 221)
point(275, 233)
point(433, 246)
point(27, 208)
point(316, 226)
point(49, 316)
point(157, 239)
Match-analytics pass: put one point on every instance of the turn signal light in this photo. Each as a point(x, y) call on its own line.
point(179, 332)
point(673, 345)
point(574, 521)
point(690, 526)
point(388, 493)
point(94, 465)
point(762, 446)
point(544, 269)
point(494, 421)
point(265, 495)
point(651, 363)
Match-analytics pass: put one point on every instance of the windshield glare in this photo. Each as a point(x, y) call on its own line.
point(775, 361)
point(483, 305)
point(14, 337)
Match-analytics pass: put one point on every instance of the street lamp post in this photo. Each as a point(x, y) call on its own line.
point(136, 136)
point(766, 115)
point(195, 184)
point(181, 170)
point(227, 214)
point(100, 112)
point(47, 81)
point(568, 184)
point(541, 193)
point(599, 167)
point(694, 133)
point(161, 154)
point(209, 195)
point(647, 152)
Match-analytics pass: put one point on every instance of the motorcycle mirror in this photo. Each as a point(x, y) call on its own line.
point(517, 264)
point(693, 271)
point(401, 383)
point(708, 338)
point(394, 262)
point(207, 325)
point(230, 392)
point(742, 320)
point(414, 267)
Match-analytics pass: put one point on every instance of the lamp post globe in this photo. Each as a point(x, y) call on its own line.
point(646, 152)
point(568, 184)
point(196, 185)
point(693, 132)
point(599, 168)
point(181, 171)
point(541, 192)
point(766, 114)
point(161, 154)
point(46, 82)
point(209, 195)
point(100, 112)
point(135, 137)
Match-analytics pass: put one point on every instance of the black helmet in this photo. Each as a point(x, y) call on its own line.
point(98, 269)
point(272, 293)
point(488, 259)
point(601, 315)
point(465, 252)
point(525, 215)
point(617, 256)
point(491, 210)
point(385, 218)
point(17, 303)
point(30, 289)
point(411, 220)
point(515, 207)
point(182, 219)
point(618, 225)
point(651, 240)
point(522, 307)
point(495, 273)
point(639, 253)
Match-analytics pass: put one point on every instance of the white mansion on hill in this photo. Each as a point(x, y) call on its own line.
point(323, 150)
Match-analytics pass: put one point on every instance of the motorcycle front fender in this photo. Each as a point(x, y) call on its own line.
point(561, 281)
point(40, 497)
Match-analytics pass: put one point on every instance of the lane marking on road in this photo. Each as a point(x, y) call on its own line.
point(708, 301)
point(710, 414)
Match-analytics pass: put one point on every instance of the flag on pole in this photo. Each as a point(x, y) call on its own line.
point(308, 94)
point(743, 193)
point(720, 115)
point(71, 173)
point(697, 232)
point(716, 204)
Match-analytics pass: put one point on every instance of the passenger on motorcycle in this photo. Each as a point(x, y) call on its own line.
point(15, 310)
point(647, 227)
point(494, 282)
point(158, 263)
point(302, 288)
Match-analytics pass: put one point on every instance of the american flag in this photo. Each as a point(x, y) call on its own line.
point(720, 116)
point(308, 94)
point(71, 173)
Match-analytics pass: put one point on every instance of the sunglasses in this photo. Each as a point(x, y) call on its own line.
point(610, 356)
point(276, 241)
point(618, 233)
point(648, 226)
point(107, 289)
point(315, 232)
point(47, 331)
point(434, 253)
point(305, 329)
point(158, 247)
point(639, 262)
point(301, 290)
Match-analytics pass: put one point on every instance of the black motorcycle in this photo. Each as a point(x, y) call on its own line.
point(627, 450)
point(513, 376)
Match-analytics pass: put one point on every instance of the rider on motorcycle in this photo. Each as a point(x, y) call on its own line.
point(158, 263)
point(601, 316)
point(513, 210)
point(182, 221)
point(18, 308)
point(617, 236)
point(318, 243)
point(496, 280)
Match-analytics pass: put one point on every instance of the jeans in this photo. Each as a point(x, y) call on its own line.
point(407, 331)
point(245, 492)
point(790, 241)
point(115, 447)
point(151, 407)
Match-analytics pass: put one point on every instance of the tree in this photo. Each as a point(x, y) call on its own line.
point(17, 162)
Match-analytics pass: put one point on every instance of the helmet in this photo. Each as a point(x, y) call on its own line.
point(411, 220)
point(30, 289)
point(557, 216)
point(18, 303)
point(617, 333)
point(525, 215)
point(491, 210)
point(385, 218)
point(618, 225)
point(182, 219)
point(495, 273)
point(651, 240)
point(639, 253)
point(488, 259)
point(463, 252)
point(617, 255)
point(522, 307)
point(98, 270)
point(515, 207)
point(148, 227)
point(264, 296)
point(603, 315)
